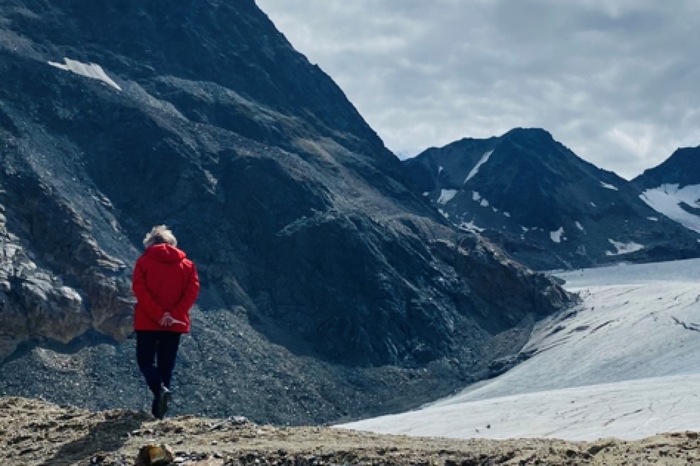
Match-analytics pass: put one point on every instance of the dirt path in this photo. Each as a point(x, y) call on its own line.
point(38, 433)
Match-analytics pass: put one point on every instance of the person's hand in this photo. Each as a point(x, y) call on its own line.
point(167, 320)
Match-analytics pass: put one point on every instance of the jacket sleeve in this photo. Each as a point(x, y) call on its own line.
point(145, 300)
point(189, 296)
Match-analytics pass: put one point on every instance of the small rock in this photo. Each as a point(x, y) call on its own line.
point(155, 455)
point(238, 420)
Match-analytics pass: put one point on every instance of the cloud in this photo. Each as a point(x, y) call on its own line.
point(614, 80)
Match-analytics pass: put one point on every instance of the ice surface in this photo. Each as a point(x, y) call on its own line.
point(624, 363)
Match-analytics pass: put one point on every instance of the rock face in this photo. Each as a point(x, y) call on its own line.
point(36, 301)
point(547, 207)
point(330, 289)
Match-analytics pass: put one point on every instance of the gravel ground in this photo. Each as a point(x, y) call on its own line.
point(34, 432)
point(226, 368)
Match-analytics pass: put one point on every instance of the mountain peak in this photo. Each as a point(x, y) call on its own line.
point(528, 132)
point(682, 168)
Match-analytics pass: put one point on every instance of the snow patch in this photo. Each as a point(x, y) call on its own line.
point(623, 248)
point(557, 235)
point(475, 170)
point(653, 219)
point(70, 294)
point(471, 226)
point(579, 226)
point(608, 186)
point(667, 199)
point(477, 198)
point(446, 195)
point(91, 70)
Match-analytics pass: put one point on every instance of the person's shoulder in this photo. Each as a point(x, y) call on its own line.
point(142, 259)
point(187, 262)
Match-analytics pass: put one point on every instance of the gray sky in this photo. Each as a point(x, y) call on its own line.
point(616, 81)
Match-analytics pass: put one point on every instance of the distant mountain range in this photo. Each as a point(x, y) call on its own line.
point(550, 209)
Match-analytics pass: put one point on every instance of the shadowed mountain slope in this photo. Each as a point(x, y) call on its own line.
point(330, 289)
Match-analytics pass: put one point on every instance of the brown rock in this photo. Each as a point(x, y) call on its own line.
point(155, 455)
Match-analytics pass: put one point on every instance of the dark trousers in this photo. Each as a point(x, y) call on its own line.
point(156, 352)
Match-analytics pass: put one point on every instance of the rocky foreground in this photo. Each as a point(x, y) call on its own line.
point(35, 432)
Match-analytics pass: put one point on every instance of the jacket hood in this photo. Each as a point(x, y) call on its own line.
point(164, 253)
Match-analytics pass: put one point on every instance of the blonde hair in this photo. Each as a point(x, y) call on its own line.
point(158, 235)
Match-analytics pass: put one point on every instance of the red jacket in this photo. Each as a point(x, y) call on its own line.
point(164, 280)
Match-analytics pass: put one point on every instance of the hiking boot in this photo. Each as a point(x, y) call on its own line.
point(155, 405)
point(160, 403)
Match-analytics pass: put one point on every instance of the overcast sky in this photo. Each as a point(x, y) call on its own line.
point(616, 81)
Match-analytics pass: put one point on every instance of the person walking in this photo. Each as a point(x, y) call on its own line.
point(166, 286)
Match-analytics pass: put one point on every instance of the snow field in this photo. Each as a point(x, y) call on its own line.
point(624, 363)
